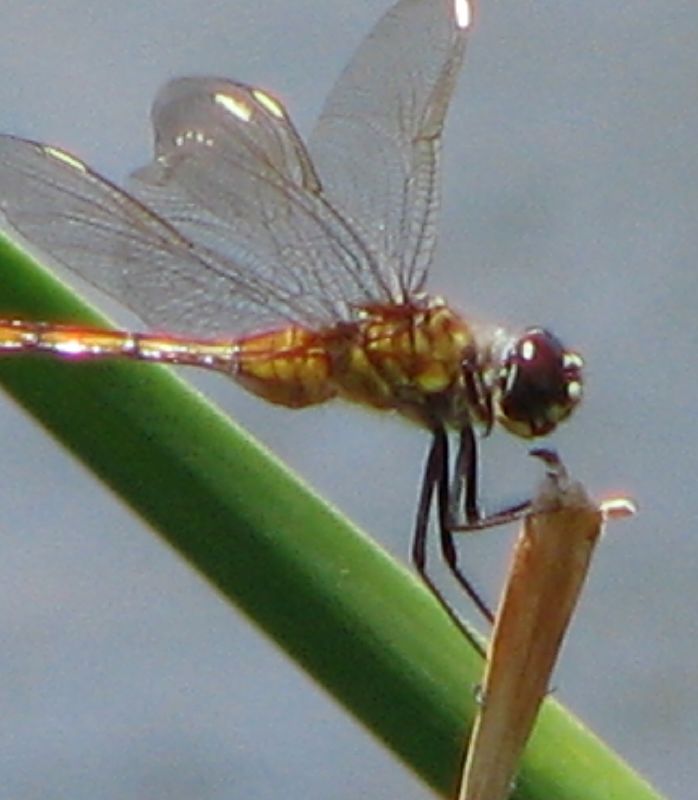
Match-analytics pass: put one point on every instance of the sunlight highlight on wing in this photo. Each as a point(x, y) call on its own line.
point(464, 13)
point(236, 107)
point(271, 105)
point(66, 158)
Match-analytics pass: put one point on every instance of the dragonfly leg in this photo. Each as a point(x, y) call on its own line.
point(463, 494)
point(436, 480)
point(465, 478)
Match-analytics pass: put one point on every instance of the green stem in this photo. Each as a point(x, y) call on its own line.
point(356, 620)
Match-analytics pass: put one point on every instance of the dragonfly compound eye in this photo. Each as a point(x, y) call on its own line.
point(539, 384)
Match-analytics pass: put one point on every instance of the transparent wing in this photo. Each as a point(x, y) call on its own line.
point(376, 145)
point(231, 171)
point(114, 242)
point(229, 227)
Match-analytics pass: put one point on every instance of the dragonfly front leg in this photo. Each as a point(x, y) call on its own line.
point(465, 479)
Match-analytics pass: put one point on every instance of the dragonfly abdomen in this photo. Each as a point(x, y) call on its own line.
point(290, 367)
point(89, 344)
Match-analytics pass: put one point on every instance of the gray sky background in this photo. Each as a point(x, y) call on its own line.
point(570, 200)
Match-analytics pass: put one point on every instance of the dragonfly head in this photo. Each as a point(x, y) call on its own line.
point(538, 384)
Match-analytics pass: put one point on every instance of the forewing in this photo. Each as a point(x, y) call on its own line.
point(377, 143)
point(114, 242)
point(230, 171)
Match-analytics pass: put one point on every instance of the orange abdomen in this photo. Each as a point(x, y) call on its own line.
point(289, 367)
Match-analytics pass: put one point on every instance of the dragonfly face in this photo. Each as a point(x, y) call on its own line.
point(297, 270)
point(539, 384)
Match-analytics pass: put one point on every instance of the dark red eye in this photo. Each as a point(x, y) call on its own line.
point(540, 383)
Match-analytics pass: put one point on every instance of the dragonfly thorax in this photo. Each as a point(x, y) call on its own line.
point(407, 358)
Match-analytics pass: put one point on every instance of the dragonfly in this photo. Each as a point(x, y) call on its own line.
point(300, 270)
